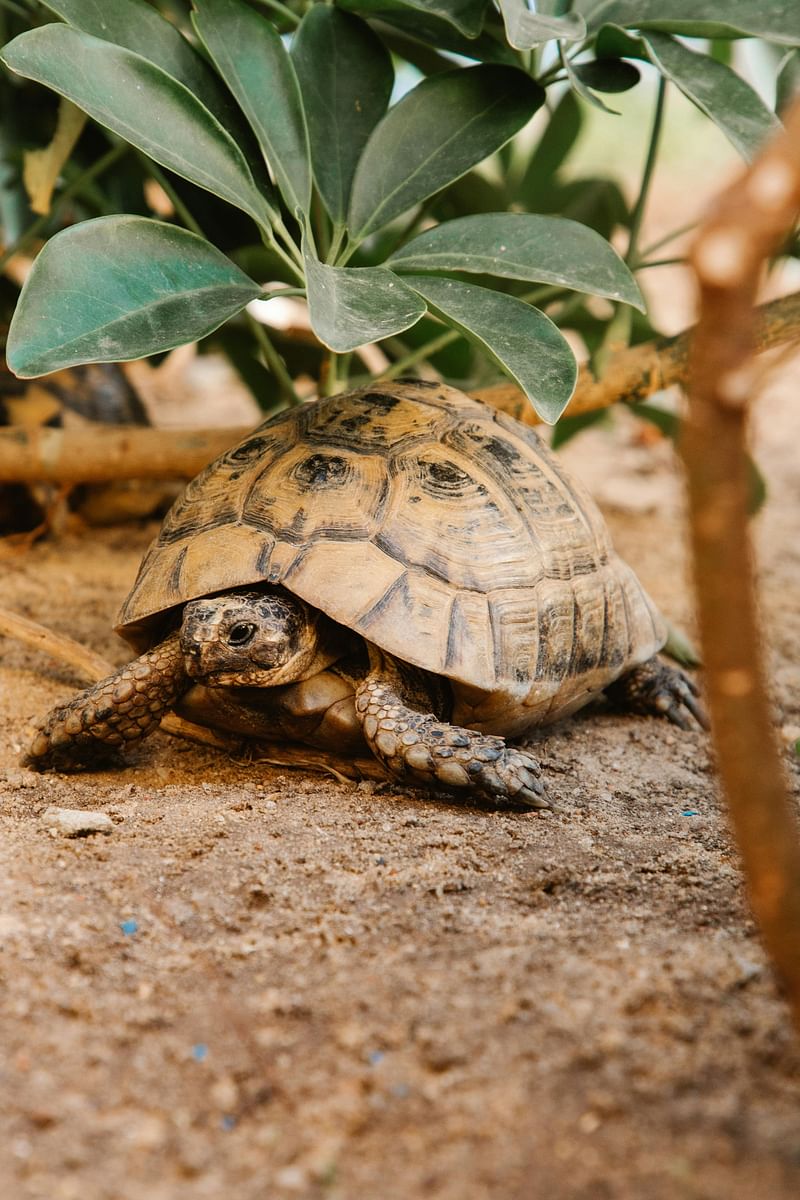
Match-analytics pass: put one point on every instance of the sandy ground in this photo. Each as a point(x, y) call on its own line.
point(267, 983)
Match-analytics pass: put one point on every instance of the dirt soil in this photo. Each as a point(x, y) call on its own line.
point(265, 983)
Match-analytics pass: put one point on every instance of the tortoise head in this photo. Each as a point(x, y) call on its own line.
point(251, 639)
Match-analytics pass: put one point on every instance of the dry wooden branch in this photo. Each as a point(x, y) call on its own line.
point(93, 667)
point(746, 226)
point(636, 373)
point(104, 453)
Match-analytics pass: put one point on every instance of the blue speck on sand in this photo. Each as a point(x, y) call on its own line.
point(375, 1057)
point(200, 1052)
point(690, 812)
point(129, 927)
point(228, 1121)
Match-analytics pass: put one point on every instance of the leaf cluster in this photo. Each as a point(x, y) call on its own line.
point(370, 156)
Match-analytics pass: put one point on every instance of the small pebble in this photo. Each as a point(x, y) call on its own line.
point(129, 927)
point(76, 822)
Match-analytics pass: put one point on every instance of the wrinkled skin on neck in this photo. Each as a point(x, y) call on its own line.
point(254, 639)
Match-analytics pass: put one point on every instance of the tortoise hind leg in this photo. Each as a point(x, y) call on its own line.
point(659, 690)
point(128, 705)
point(416, 746)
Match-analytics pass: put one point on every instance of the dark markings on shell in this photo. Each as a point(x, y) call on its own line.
point(380, 400)
point(374, 613)
point(496, 627)
point(504, 452)
point(603, 656)
point(447, 475)
point(577, 659)
point(321, 471)
point(174, 581)
point(410, 381)
point(553, 655)
point(263, 558)
point(626, 612)
point(457, 632)
point(248, 451)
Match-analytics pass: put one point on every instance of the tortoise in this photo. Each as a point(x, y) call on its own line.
point(401, 566)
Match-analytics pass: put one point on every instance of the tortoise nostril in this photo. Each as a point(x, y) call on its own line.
point(241, 633)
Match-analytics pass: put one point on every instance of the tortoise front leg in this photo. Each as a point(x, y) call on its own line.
point(419, 748)
point(126, 706)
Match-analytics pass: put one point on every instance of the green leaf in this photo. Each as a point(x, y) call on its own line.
point(256, 66)
point(140, 102)
point(577, 84)
point(598, 203)
point(774, 20)
point(526, 29)
point(351, 306)
point(521, 340)
point(608, 74)
point(137, 26)
point(434, 135)
point(542, 249)
point(717, 91)
point(346, 78)
point(788, 82)
point(464, 15)
point(551, 151)
point(423, 39)
point(118, 288)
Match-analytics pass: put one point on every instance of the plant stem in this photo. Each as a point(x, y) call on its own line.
point(442, 340)
point(273, 244)
point(668, 237)
point(411, 359)
point(289, 242)
point(631, 258)
point(661, 262)
point(284, 291)
point(334, 374)
point(273, 360)
point(336, 243)
point(97, 168)
point(282, 10)
point(351, 245)
point(169, 189)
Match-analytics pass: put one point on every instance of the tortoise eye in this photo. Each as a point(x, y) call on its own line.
point(241, 633)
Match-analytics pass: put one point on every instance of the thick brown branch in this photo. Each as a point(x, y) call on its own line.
point(103, 453)
point(100, 454)
point(746, 226)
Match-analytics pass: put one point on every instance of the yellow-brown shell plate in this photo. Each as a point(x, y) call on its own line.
point(434, 526)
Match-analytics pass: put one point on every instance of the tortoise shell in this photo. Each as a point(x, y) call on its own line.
point(439, 529)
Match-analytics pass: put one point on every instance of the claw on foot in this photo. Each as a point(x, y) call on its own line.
point(657, 689)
